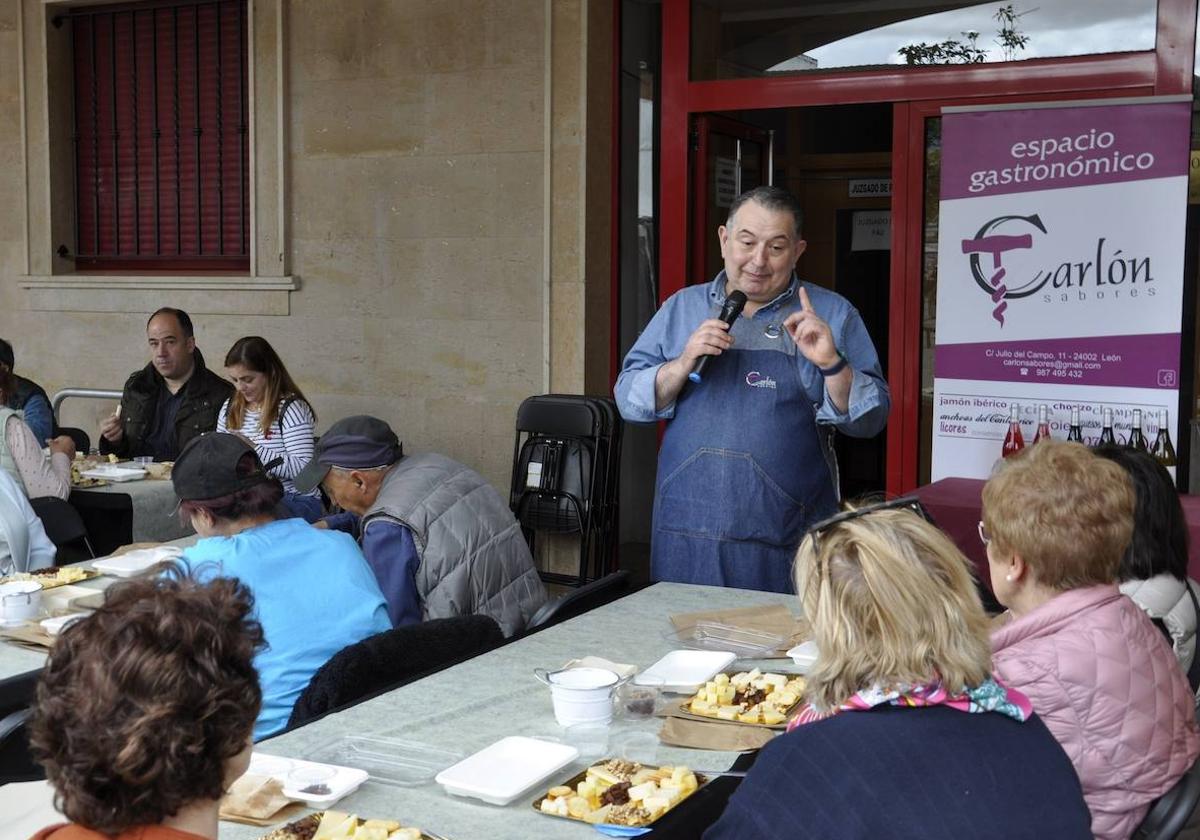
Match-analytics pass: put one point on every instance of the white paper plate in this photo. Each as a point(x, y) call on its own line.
point(135, 562)
point(508, 768)
point(115, 472)
point(342, 783)
point(684, 671)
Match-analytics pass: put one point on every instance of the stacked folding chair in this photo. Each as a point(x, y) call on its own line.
point(565, 479)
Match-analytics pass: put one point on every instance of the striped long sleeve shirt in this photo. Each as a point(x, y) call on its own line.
point(290, 437)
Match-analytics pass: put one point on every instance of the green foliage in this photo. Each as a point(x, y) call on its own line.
point(967, 51)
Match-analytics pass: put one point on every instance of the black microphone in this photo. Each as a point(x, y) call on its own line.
point(729, 313)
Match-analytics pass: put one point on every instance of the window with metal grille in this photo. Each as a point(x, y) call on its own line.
point(160, 134)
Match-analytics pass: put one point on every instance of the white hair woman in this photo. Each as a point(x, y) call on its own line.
point(906, 734)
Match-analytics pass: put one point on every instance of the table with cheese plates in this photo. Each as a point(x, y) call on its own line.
point(20, 664)
point(126, 512)
point(475, 703)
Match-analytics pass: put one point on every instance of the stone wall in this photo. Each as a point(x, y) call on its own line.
point(443, 246)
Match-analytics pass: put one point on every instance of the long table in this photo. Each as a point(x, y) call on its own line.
point(129, 511)
point(956, 504)
point(19, 664)
point(477, 702)
point(470, 705)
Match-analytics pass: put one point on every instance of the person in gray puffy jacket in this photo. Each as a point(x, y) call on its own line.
point(1154, 568)
point(440, 539)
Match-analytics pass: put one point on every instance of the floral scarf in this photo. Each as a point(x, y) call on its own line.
point(989, 696)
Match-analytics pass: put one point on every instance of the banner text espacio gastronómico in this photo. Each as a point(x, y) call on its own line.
point(1060, 266)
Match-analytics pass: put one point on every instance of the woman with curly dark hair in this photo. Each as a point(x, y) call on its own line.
point(145, 709)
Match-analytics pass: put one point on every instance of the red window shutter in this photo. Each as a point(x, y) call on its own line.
point(161, 135)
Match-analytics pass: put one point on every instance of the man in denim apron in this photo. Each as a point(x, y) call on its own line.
point(746, 463)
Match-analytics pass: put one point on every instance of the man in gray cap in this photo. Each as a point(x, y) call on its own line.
point(440, 540)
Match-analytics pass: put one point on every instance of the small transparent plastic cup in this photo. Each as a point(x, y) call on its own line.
point(639, 698)
point(143, 461)
point(591, 739)
point(636, 745)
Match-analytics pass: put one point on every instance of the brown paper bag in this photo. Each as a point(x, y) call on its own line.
point(29, 634)
point(705, 735)
point(257, 800)
point(775, 619)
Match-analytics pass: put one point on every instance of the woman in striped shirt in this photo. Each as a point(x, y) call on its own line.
point(270, 412)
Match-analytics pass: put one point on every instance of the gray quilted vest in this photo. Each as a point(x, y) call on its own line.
point(474, 559)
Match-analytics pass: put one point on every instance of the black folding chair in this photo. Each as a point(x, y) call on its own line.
point(392, 658)
point(566, 456)
point(16, 762)
point(64, 527)
point(578, 601)
point(1173, 811)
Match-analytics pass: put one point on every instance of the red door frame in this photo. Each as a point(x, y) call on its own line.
point(703, 229)
point(915, 93)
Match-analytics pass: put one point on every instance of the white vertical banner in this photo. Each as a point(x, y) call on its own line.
point(1060, 272)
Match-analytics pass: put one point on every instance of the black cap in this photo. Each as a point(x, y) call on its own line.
point(354, 443)
point(207, 468)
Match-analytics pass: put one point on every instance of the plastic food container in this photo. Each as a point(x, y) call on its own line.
point(116, 472)
point(507, 769)
point(709, 635)
point(684, 671)
point(390, 761)
point(135, 562)
point(297, 775)
point(804, 655)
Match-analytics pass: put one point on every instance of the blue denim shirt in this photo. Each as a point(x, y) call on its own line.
point(668, 331)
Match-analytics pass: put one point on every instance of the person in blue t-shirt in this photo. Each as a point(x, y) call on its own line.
point(313, 591)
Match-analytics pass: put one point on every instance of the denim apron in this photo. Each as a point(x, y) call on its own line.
point(741, 472)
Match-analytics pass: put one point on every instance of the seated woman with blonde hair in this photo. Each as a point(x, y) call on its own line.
point(145, 708)
point(1056, 522)
point(906, 733)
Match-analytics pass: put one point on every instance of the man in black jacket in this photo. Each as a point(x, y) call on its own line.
point(170, 401)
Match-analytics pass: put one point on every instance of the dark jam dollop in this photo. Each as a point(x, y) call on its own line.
point(618, 794)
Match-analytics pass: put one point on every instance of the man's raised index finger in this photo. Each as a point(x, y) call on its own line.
point(804, 301)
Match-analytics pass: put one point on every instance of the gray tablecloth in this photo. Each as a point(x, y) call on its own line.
point(153, 502)
point(473, 704)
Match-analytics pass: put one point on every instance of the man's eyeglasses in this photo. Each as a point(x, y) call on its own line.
point(903, 503)
point(984, 536)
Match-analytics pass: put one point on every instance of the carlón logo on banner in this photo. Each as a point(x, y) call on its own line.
point(1060, 265)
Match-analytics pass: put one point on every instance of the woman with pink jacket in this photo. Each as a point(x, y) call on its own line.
point(1056, 521)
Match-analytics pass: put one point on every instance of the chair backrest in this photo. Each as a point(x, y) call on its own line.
point(581, 600)
point(62, 522)
point(1172, 811)
point(390, 659)
point(81, 439)
point(16, 762)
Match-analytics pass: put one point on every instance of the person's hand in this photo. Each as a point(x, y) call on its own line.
point(111, 429)
point(813, 337)
point(62, 444)
point(711, 338)
point(322, 524)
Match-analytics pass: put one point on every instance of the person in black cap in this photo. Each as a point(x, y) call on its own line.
point(439, 538)
point(25, 395)
point(314, 592)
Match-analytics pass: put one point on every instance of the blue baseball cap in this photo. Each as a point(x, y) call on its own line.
point(352, 443)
